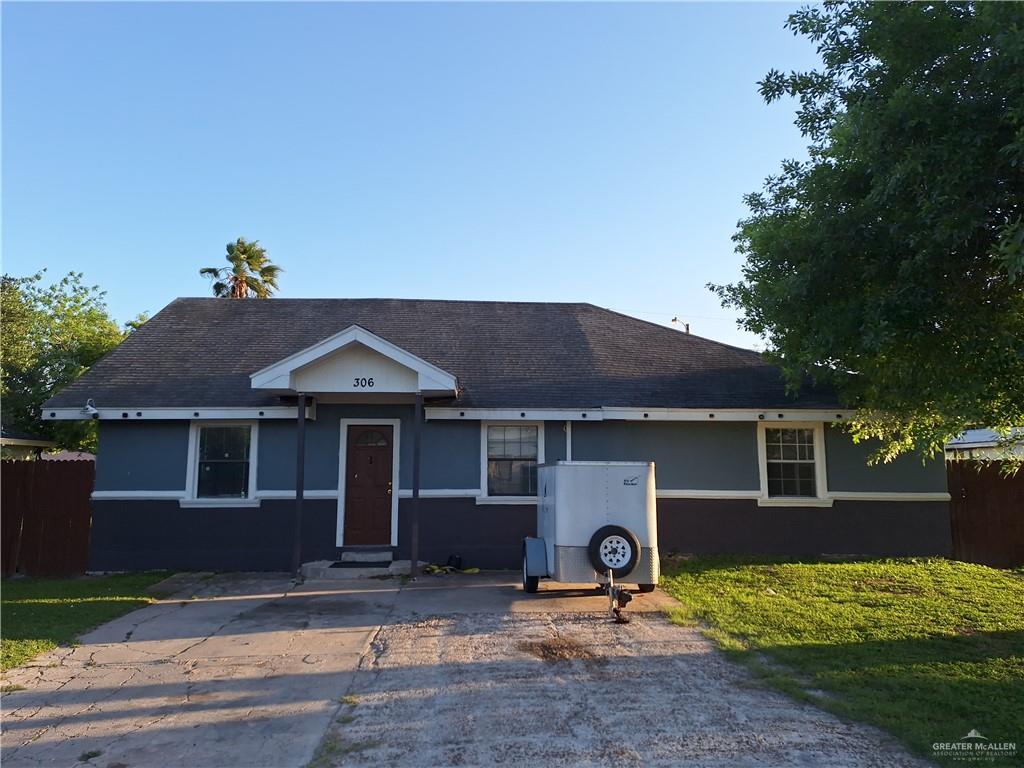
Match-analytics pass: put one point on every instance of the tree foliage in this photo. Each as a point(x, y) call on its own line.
point(49, 336)
point(249, 274)
point(890, 264)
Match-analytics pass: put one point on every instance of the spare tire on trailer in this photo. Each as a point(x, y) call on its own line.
point(614, 548)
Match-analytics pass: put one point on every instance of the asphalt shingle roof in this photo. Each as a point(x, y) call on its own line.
point(13, 433)
point(199, 352)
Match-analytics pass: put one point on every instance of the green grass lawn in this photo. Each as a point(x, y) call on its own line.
point(39, 614)
point(926, 649)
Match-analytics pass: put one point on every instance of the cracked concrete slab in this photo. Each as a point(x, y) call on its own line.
point(235, 671)
point(453, 670)
point(529, 686)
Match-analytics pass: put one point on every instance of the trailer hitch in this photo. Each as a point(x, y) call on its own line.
point(618, 599)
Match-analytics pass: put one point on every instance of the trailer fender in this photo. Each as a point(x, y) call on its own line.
point(536, 555)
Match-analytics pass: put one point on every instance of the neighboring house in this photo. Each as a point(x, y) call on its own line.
point(985, 444)
point(18, 444)
point(199, 436)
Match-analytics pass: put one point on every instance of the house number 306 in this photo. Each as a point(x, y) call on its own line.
point(362, 382)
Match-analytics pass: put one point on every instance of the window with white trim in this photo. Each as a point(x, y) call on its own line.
point(512, 455)
point(223, 461)
point(790, 462)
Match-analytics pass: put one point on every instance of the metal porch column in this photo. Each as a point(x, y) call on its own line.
point(300, 481)
point(414, 507)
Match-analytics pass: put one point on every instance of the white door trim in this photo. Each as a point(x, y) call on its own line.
point(396, 425)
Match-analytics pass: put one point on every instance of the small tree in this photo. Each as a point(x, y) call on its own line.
point(891, 264)
point(249, 274)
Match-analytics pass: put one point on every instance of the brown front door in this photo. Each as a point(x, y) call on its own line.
point(368, 490)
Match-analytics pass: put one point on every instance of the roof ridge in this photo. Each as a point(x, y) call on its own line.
point(673, 330)
point(503, 302)
point(397, 298)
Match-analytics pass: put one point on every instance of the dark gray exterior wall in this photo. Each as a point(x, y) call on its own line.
point(144, 534)
point(142, 456)
point(450, 457)
point(138, 535)
point(276, 462)
point(554, 441)
point(688, 454)
point(323, 437)
point(847, 468)
point(739, 526)
point(486, 536)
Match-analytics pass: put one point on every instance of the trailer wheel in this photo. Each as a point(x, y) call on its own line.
point(614, 548)
point(529, 582)
point(646, 587)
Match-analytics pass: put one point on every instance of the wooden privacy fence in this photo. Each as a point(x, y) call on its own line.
point(987, 509)
point(45, 516)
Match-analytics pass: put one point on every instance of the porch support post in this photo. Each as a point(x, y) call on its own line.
point(300, 481)
point(414, 507)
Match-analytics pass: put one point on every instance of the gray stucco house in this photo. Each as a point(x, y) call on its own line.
point(437, 413)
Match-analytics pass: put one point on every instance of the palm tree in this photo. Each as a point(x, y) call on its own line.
point(250, 274)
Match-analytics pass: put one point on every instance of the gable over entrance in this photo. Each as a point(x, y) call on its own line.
point(354, 361)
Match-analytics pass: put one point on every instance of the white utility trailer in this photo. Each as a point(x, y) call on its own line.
point(597, 522)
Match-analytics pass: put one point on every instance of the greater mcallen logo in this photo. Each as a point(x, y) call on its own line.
point(974, 747)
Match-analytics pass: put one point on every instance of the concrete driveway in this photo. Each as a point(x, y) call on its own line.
point(456, 670)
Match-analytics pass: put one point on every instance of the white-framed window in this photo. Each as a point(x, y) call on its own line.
point(222, 462)
point(510, 453)
point(792, 464)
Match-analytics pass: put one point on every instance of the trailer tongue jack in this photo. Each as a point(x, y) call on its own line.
point(618, 599)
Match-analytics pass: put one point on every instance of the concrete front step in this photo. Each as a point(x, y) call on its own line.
point(321, 569)
point(366, 554)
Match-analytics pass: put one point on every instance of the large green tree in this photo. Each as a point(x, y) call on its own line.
point(890, 263)
point(249, 273)
point(49, 336)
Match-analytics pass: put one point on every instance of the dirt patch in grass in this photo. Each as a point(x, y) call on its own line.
point(558, 648)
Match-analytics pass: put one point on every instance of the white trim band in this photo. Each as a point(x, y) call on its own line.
point(178, 414)
point(474, 493)
point(608, 413)
point(326, 493)
point(441, 493)
point(137, 495)
point(706, 494)
point(207, 503)
point(889, 496)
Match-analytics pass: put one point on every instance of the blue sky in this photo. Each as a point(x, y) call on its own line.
point(466, 151)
